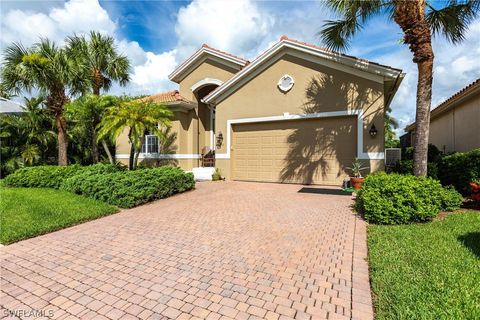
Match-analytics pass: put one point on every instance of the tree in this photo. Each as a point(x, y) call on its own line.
point(86, 113)
point(44, 67)
point(27, 138)
point(391, 124)
point(100, 60)
point(137, 117)
point(418, 19)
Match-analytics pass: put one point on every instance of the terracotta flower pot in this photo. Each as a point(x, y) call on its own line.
point(356, 182)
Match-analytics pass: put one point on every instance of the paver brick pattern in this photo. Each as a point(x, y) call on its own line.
point(227, 250)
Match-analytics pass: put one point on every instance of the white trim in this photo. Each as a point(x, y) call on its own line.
point(286, 116)
point(204, 50)
point(327, 55)
point(159, 156)
point(212, 133)
point(205, 82)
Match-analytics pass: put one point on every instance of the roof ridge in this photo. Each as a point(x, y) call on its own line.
point(456, 94)
point(286, 38)
point(223, 52)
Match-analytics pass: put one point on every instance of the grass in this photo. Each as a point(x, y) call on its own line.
point(29, 212)
point(427, 271)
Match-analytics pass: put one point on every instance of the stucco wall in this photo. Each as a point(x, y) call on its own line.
point(208, 69)
point(457, 129)
point(317, 89)
point(192, 128)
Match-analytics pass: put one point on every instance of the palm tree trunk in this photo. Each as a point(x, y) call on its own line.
point(107, 151)
point(135, 161)
point(132, 151)
point(422, 121)
point(61, 124)
point(410, 16)
point(95, 153)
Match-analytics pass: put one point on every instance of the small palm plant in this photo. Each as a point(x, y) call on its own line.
point(357, 168)
point(356, 179)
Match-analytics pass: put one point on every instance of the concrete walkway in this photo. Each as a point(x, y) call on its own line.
point(225, 250)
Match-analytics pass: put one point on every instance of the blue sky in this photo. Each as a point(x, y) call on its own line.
point(158, 35)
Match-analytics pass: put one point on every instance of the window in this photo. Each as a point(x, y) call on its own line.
point(150, 144)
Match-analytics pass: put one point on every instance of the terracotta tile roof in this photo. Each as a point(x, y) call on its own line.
point(472, 85)
point(166, 97)
point(225, 53)
point(449, 103)
point(284, 37)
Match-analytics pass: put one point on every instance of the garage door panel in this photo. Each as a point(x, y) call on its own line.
point(299, 151)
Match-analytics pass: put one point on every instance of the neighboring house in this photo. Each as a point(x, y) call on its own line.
point(10, 107)
point(454, 124)
point(297, 113)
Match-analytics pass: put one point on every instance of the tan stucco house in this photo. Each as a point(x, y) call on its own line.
point(297, 113)
point(454, 124)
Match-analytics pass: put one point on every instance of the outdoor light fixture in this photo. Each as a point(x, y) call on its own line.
point(373, 131)
point(219, 139)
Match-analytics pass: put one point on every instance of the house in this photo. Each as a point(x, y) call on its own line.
point(10, 107)
point(298, 113)
point(454, 124)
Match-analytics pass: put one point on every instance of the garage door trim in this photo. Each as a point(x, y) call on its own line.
point(287, 116)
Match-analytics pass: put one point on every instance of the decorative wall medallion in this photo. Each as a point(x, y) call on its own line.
point(285, 83)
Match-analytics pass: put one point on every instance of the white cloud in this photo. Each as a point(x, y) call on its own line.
point(150, 70)
point(161, 64)
point(455, 66)
point(75, 16)
point(234, 26)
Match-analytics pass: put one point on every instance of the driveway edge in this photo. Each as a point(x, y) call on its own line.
point(362, 307)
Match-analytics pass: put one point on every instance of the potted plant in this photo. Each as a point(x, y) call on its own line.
point(357, 179)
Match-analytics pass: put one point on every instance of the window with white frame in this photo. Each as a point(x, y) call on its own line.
point(151, 144)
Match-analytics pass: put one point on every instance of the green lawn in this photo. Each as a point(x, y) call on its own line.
point(427, 271)
point(28, 212)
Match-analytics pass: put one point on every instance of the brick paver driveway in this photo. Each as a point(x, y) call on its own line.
point(226, 250)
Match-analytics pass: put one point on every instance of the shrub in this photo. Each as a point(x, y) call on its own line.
point(433, 153)
point(131, 188)
point(217, 175)
point(459, 169)
point(52, 176)
point(475, 191)
point(406, 167)
point(396, 199)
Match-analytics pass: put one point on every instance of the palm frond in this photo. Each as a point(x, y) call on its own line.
point(452, 20)
point(336, 34)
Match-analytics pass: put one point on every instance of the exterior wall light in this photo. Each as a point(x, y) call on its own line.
point(373, 131)
point(219, 139)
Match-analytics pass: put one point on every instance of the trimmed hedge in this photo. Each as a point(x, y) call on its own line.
point(406, 167)
point(459, 169)
point(53, 176)
point(131, 188)
point(397, 199)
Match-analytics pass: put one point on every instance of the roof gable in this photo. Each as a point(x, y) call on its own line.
point(361, 67)
point(204, 53)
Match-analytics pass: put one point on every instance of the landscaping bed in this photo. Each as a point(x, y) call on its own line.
point(111, 184)
point(426, 270)
point(37, 200)
point(29, 212)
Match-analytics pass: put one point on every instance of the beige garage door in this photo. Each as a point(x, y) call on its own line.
point(313, 151)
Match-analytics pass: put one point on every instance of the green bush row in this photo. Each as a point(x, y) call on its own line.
point(109, 183)
point(53, 176)
point(459, 169)
point(396, 198)
point(130, 188)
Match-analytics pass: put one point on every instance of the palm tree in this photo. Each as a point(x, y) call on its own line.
point(137, 117)
point(86, 112)
point(100, 59)
point(44, 67)
point(418, 19)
